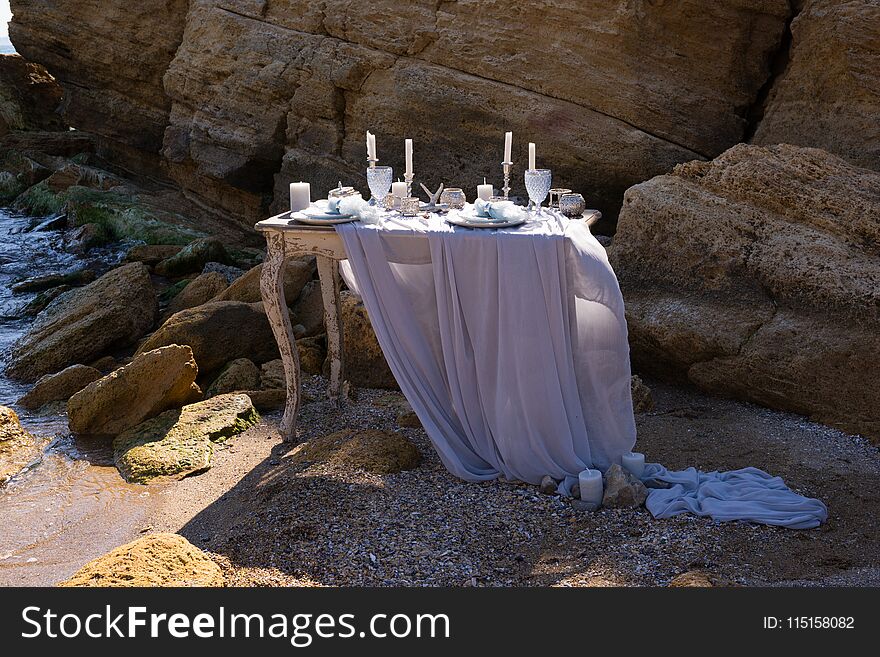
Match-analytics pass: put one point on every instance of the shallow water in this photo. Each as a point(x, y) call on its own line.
point(71, 505)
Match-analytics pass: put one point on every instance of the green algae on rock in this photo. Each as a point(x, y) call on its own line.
point(181, 442)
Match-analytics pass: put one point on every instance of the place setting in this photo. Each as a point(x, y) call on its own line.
point(393, 201)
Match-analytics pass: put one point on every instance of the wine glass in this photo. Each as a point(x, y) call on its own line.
point(538, 185)
point(379, 181)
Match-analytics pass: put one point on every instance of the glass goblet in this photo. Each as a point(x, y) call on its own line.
point(379, 182)
point(538, 185)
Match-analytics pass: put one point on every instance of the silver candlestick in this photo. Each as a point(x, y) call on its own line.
point(506, 189)
point(408, 178)
point(372, 161)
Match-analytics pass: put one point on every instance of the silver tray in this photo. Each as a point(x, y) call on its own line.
point(478, 223)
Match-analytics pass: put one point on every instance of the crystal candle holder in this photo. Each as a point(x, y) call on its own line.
point(454, 197)
point(556, 194)
point(572, 205)
point(409, 206)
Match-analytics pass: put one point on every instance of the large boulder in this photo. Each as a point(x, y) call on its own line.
point(757, 276)
point(153, 382)
point(18, 447)
point(218, 332)
point(59, 386)
point(828, 96)
point(84, 324)
point(152, 254)
point(179, 443)
point(152, 560)
point(201, 289)
point(193, 257)
point(365, 365)
point(247, 288)
point(309, 309)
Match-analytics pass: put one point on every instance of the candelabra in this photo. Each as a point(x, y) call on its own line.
point(373, 161)
point(408, 178)
point(506, 167)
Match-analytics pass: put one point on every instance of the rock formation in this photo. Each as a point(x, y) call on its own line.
point(29, 97)
point(829, 94)
point(153, 560)
point(757, 275)
point(613, 91)
point(86, 323)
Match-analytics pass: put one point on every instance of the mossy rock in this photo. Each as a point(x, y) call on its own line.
point(39, 200)
point(173, 290)
point(17, 173)
point(178, 443)
point(378, 452)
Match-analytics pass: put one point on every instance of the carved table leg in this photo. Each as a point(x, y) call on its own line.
point(272, 289)
point(328, 272)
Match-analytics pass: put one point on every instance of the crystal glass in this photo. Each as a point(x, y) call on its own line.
point(379, 181)
point(454, 197)
point(537, 185)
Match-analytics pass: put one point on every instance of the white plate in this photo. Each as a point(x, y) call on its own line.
point(468, 222)
point(317, 216)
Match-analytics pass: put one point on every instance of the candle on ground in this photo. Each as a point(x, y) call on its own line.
point(590, 484)
point(398, 189)
point(508, 142)
point(408, 148)
point(634, 462)
point(485, 191)
point(300, 196)
point(531, 155)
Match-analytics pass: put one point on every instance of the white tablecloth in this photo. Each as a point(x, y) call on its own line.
point(510, 345)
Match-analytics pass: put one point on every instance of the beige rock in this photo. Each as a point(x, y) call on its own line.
point(829, 94)
point(179, 443)
point(247, 287)
point(59, 386)
point(365, 364)
point(18, 447)
point(218, 332)
point(643, 400)
point(240, 374)
point(153, 382)
point(622, 489)
point(272, 375)
point(201, 289)
point(152, 560)
point(757, 276)
point(309, 309)
point(152, 254)
point(312, 354)
point(266, 400)
point(85, 323)
point(378, 452)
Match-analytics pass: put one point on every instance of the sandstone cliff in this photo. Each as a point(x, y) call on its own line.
point(230, 93)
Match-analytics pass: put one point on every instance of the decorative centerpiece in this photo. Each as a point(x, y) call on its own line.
point(454, 197)
point(572, 205)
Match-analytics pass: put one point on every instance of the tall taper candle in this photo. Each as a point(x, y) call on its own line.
point(374, 155)
point(508, 142)
point(531, 155)
point(408, 148)
point(300, 196)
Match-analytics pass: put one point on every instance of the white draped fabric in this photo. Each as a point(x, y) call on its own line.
point(511, 347)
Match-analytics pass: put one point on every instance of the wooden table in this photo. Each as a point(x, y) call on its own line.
point(285, 241)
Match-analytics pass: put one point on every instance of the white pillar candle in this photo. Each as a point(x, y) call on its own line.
point(408, 149)
point(300, 196)
point(485, 191)
point(590, 483)
point(508, 142)
point(398, 189)
point(634, 463)
point(531, 155)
